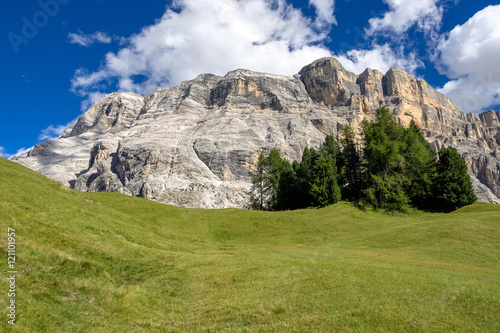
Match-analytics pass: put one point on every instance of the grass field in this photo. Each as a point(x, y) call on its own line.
point(104, 262)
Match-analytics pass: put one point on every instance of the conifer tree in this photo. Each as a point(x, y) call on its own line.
point(287, 188)
point(304, 177)
point(384, 161)
point(265, 181)
point(420, 167)
point(331, 148)
point(454, 186)
point(260, 184)
point(324, 189)
point(275, 168)
point(349, 165)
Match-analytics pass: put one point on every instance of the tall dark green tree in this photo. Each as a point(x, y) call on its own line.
point(384, 179)
point(349, 165)
point(304, 174)
point(265, 181)
point(324, 189)
point(420, 167)
point(288, 188)
point(331, 148)
point(454, 186)
point(259, 192)
point(275, 168)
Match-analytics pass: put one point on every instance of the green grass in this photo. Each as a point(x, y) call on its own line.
point(104, 262)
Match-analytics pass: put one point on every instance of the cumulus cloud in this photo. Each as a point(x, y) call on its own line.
point(468, 55)
point(92, 97)
point(3, 153)
point(9, 156)
point(86, 40)
point(204, 36)
point(381, 57)
point(51, 132)
point(404, 14)
point(54, 131)
point(324, 11)
point(21, 151)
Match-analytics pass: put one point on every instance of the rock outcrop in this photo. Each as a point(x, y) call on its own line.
point(194, 144)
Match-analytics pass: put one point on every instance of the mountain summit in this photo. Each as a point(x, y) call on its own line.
point(194, 144)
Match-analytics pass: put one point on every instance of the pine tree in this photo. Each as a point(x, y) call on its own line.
point(324, 188)
point(287, 188)
point(304, 176)
point(420, 167)
point(275, 168)
point(266, 179)
point(383, 157)
point(454, 186)
point(260, 184)
point(349, 166)
point(331, 148)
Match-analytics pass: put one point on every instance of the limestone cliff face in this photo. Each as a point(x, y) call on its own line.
point(194, 144)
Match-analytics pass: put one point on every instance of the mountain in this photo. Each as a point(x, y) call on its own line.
point(194, 144)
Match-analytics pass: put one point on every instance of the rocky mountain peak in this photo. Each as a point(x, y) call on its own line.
point(194, 144)
point(114, 112)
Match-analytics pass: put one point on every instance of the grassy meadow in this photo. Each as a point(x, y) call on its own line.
point(105, 262)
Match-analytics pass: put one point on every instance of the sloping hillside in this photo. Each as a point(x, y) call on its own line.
point(105, 262)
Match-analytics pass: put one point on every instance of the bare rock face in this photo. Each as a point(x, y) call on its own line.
point(112, 113)
point(329, 83)
point(194, 144)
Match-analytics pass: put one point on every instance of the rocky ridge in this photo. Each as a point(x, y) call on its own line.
point(194, 144)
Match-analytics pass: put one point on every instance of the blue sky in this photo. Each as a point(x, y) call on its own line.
point(59, 56)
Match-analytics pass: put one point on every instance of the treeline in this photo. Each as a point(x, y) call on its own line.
point(396, 169)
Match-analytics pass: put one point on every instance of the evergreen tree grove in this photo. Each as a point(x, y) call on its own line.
point(395, 170)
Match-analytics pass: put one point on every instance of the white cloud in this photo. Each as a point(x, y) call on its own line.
point(469, 55)
point(381, 57)
point(9, 156)
point(324, 11)
point(21, 151)
point(205, 36)
point(92, 97)
point(404, 14)
point(3, 153)
point(53, 132)
point(87, 40)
